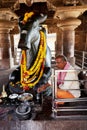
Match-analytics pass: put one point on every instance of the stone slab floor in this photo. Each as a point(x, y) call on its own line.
point(12, 123)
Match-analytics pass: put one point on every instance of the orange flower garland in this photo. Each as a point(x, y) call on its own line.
point(27, 16)
point(29, 78)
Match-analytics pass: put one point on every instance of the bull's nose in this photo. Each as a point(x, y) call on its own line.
point(22, 42)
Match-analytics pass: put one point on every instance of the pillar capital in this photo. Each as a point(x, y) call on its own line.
point(69, 12)
point(6, 26)
point(7, 14)
point(69, 23)
point(8, 20)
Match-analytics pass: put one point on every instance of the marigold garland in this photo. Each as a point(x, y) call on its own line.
point(27, 16)
point(30, 77)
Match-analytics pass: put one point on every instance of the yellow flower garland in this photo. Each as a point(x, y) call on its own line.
point(27, 15)
point(32, 76)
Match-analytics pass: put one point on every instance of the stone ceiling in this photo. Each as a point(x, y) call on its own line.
point(19, 7)
point(51, 3)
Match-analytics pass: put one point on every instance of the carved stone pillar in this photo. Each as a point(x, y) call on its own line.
point(5, 43)
point(68, 36)
point(7, 22)
point(59, 43)
point(68, 22)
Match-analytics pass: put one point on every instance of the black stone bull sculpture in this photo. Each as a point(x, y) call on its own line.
point(29, 41)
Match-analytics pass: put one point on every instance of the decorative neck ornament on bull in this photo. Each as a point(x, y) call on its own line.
point(37, 66)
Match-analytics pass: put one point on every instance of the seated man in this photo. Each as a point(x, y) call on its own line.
point(67, 82)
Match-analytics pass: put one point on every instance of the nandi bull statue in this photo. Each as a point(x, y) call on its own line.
point(35, 68)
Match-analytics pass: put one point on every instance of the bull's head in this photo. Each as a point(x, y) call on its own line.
point(29, 29)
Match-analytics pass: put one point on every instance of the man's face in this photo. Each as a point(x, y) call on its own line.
point(60, 63)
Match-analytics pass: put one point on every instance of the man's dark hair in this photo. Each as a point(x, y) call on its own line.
point(61, 57)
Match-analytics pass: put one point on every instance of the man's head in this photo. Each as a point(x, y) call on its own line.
point(61, 61)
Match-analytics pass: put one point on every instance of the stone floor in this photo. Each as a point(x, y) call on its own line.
point(43, 125)
point(42, 121)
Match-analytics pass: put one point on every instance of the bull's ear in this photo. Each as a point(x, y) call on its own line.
point(42, 18)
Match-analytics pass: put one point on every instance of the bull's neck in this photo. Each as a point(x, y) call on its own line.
point(36, 45)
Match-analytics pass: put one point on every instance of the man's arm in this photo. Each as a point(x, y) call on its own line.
point(43, 87)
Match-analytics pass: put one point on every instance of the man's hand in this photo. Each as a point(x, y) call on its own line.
point(43, 87)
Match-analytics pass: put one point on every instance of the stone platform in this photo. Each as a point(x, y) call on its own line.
point(42, 120)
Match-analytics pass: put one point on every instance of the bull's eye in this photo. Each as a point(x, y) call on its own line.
point(24, 32)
